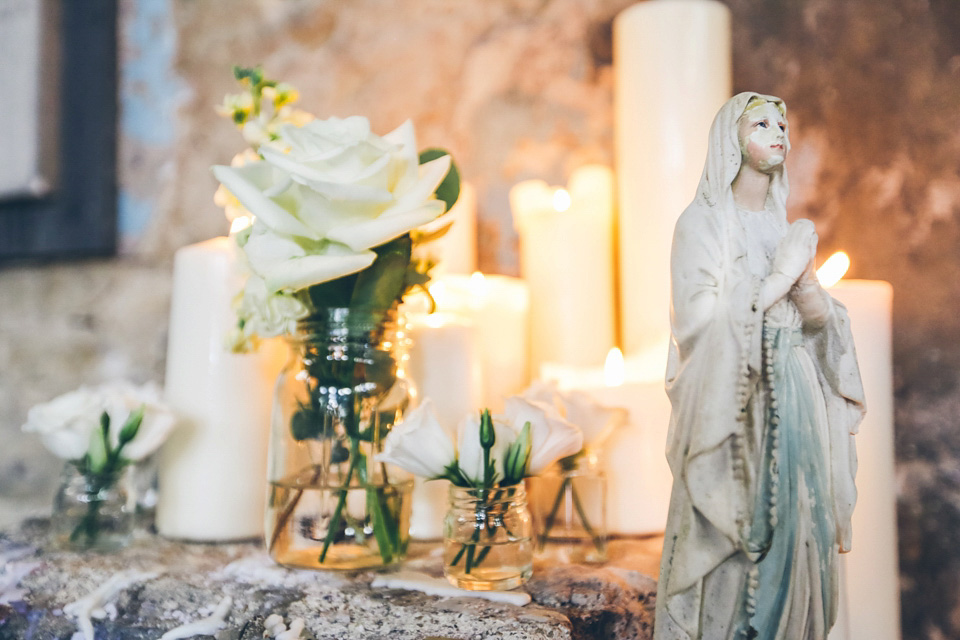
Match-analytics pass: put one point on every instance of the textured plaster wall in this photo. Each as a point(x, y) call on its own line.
point(518, 89)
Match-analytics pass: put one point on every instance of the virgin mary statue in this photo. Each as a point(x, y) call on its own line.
point(766, 398)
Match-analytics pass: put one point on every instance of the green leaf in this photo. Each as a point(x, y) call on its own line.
point(329, 294)
point(305, 424)
point(449, 189)
point(383, 282)
point(96, 458)
point(131, 426)
point(515, 461)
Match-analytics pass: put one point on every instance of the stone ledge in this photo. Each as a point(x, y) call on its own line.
point(569, 601)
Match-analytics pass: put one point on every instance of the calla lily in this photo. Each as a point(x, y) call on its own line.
point(470, 451)
point(552, 437)
point(420, 444)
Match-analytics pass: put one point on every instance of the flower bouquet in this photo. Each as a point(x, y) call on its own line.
point(99, 431)
point(488, 537)
point(327, 216)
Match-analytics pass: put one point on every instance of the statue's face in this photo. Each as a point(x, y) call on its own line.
point(763, 137)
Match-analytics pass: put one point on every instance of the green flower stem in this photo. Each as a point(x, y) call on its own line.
point(552, 516)
point(341, 500)
point(383, 527)
point(90, 525)
point(289, 509)
point(598, 542)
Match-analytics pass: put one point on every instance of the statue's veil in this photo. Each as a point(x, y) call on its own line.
point(724, 157)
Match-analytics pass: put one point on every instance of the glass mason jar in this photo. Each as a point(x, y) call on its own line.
point(569, 507)
point(488, 538)
point(330, 504)
point(90, 512)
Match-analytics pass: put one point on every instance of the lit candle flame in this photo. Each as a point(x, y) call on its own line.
point(613, 368)
point(240, 223)
point(831, 271)
point(561, 200)
point(477, 282)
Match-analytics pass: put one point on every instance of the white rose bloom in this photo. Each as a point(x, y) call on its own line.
point(551, 436)
point(470, 452)
point(420, 444)
point(268, 314)
point(596, 421)
point(120, 399)
point(326, 193)
point(65, 423)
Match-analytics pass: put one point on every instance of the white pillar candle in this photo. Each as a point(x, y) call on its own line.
point(672, 74)
point(443, 365)
point(638, 476)
point(566, 256)
point(499, 308)
point(456, 251)
point(871, 568)
point(212, 470)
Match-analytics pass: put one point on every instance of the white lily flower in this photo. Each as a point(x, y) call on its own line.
point(470, 452)
point(551, 436)
point(420, 444)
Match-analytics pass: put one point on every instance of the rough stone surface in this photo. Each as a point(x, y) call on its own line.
point(569, 602)
point(519, 89)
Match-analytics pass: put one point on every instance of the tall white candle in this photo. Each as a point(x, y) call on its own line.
point(871, 568)
point(444, 365)
point(457, 249)
point(212, 470)
point(499, 308)
point(566, 256)
point(672, 73)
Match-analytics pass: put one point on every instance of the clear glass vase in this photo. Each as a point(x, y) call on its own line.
point(488, 538)
point(90, 512)
point(569, 508)
point(330, 504)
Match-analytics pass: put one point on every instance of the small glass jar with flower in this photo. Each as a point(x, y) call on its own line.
point(488, 531)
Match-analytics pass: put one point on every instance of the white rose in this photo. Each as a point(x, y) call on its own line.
point(420, 444)
point(326, 193)
point(596, 421)
point(267, 313)
point(120, 399)
point(66, 423)
point(470, 452)
point(551, 436)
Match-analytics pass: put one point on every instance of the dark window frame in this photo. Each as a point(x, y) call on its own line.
point(78, 218)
